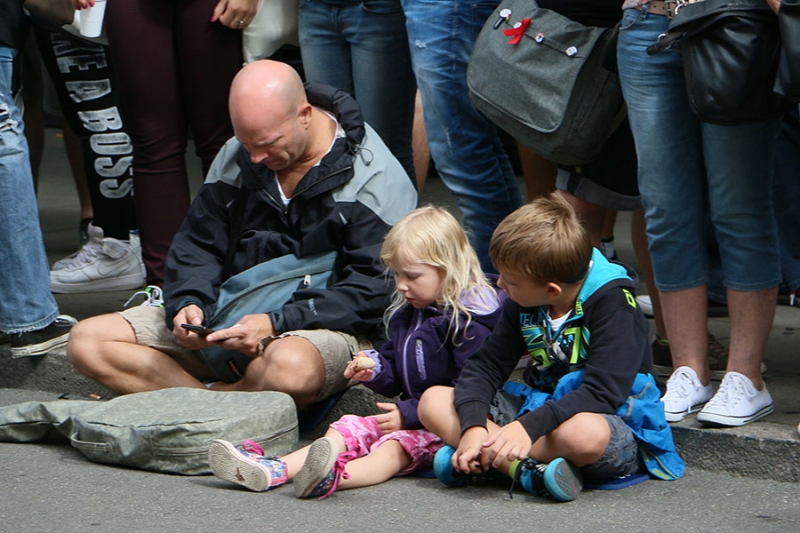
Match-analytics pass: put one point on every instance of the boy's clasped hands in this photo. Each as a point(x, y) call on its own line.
point(477, 452)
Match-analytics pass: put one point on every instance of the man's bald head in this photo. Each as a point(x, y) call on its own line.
point(272, 118)
point(265, 90)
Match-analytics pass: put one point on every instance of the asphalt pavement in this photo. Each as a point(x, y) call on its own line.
point(738, 479)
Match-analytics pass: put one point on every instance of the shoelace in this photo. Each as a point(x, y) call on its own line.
point(252, 446)
point(152, 293)
point(84, 256)
point(338, 472)
point(536, 470)
point(680, 384)
point(732, 389)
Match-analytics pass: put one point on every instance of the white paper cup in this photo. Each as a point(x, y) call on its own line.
point(92, 19)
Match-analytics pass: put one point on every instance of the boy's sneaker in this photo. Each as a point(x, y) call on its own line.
point(717, 357)
point(685, 394)
point(559, 479)
point(42, 341)
point(324, 467)
point(246, 465)
point(736, 403)
point(102, 264)
point(444, 471)
point(153, 297)
point(443, 468)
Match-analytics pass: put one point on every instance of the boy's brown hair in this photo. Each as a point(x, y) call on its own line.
point(544, 240)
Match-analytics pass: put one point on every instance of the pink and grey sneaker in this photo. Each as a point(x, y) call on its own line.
point(324, 467)
point(246, 465)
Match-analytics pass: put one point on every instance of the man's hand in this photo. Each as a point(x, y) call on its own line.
point(235, 14)
point(466, 458)
point(244, 335)
point(191, 314)
point(512, 442)
point(82, 4)
point(390, 421)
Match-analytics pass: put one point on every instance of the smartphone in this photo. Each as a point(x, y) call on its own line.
point(200, 330)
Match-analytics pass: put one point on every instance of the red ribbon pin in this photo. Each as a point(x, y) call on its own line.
point(516, 32)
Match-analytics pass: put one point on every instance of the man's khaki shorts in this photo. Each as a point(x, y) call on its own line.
point(335, 347)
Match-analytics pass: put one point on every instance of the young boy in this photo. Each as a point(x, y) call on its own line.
point(589, 406)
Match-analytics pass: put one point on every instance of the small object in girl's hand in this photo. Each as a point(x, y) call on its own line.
point(359, 363)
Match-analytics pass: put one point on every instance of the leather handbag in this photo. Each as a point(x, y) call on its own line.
point(547, 80)
point(787, 83)
point(730, 51)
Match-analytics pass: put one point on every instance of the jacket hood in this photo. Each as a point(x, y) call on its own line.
point(605, 275)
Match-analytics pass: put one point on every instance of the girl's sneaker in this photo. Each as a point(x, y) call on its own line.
point(559, 479)
point(246, 465)
point(324, 467)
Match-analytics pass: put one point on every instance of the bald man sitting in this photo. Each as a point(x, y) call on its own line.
point(319, 180)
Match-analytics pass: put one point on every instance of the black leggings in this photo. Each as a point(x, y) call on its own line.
point(84, 80)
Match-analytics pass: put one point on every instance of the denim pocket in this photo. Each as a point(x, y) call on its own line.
point(481, 11)
point(629, 18)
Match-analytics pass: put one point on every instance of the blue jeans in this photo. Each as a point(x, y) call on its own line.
point(688, 168)
point(787, 193)
point(464, 144)
point(363, 49)
point(26, 302)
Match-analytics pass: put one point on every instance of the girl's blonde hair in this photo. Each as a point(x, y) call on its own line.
point(432, 236)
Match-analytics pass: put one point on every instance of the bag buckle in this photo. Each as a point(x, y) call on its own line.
point(673, 6)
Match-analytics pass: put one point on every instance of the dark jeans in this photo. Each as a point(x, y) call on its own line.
point(175, 68)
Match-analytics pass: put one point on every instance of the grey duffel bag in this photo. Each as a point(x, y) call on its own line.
point(164, 431)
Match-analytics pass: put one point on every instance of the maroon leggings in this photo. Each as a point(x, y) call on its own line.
point(175, 68)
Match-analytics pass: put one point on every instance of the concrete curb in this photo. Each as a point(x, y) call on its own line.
point(764, 451)
point(761, 450)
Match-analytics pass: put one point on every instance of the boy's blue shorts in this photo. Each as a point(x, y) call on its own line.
point(621, 457)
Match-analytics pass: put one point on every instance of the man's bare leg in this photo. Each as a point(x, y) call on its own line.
point(104, 348)
point(289, 364)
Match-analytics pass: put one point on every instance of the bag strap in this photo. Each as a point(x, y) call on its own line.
point(237, 224)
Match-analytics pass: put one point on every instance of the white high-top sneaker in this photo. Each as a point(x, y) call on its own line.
point(102, 264)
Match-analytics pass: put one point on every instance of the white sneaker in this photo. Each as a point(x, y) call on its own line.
point(685, 394)
point(102, 264)
point(737, 402)
point(645, 304)
point(153, 297)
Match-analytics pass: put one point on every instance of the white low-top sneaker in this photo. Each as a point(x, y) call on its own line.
point(102, 264)
point(685, 394)
point(736, 403)
point(645, 304)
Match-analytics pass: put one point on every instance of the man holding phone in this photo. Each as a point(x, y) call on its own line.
point(319, 180)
